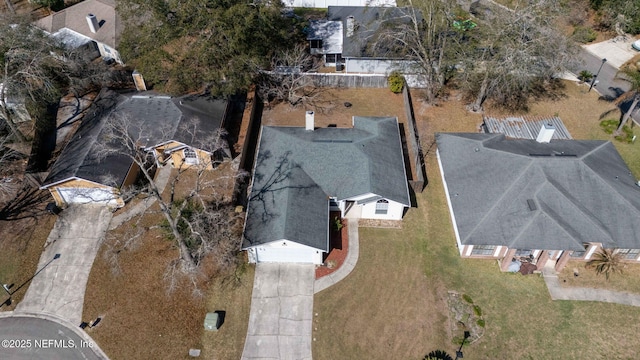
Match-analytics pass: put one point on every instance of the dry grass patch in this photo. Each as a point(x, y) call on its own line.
point(234, 297)
point(387, 308)
point(629, 280)
point(364, 102)
point(22, 242)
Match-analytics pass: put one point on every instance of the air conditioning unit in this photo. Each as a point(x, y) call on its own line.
point(339, 66)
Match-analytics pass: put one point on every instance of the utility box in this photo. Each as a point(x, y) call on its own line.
point(212, 321)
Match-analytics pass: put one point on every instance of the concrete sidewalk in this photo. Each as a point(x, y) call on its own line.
point(349, 263)
point(58, 288)
point(281, 312)
point(558, 292)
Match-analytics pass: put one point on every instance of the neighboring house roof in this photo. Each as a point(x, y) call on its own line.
point(75, 18)
point(523, 127)
point(330, 32)
point(297, 170)
point(189, 120)
point(529, 195)
point(367, 21)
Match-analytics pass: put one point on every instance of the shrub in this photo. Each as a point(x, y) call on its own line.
point(584, 34)
point(477, 310)
point(610, 125)
point(467, 298)
point(396, 82)
point(480, 323)
point(585, 75)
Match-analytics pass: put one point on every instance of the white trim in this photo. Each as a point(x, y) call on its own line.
point(46, 187)
point(498, 251)
point(446, 191)
point(592, 249)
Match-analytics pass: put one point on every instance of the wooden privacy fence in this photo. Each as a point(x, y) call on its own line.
point(413, 143)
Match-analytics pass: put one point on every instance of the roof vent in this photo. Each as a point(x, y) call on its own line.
point(309, 123)
point(546, 133)
point(94, 25)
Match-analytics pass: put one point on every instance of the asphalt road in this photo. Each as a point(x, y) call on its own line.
point(32, 338)
point(607, 85)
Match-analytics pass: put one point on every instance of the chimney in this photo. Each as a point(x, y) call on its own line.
point(351, 25)
point(309, 121)
point(138, 80)
point(546, 133)
point(94, 25)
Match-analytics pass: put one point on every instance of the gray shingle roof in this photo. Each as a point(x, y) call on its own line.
point(368, 20)
point(336, 162)
point(579, 191)
point(160, 116)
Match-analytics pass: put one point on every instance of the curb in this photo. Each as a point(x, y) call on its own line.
point(53, 318)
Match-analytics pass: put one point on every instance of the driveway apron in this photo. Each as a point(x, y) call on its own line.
point(281, 312)
point(59, 284)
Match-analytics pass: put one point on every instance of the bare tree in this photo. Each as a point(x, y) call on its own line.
point(197, 207)
point(421, 33)
point(32, 68)
point(515, 53)
point(287, 80)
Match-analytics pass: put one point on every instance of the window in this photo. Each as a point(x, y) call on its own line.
point(190, 156)
point(382, 206)
point(333, 58)
point(523, 252)
point(630, 254)
point(483, 250)
point(315, 44)
point(580, 254)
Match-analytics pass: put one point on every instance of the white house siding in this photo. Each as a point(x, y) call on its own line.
point(285, 251)
point(377, 66)
point(327, 3)
point(394, 211)
point(451, 213)
point(368, 211)
point(89, 196)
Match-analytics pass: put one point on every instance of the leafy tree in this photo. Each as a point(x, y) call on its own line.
point(33, 69)
point(606, 262)
point(631, 76)
point(192, 45)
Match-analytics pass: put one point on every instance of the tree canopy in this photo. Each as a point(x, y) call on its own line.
point(193, 45)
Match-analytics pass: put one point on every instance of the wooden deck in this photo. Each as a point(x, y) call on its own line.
point(524, 127)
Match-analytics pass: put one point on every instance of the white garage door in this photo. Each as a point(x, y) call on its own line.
point(285, 255)
point(88, 196)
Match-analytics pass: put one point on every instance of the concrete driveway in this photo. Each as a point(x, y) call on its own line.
point(617, 51)
point(281, 312)
point(58, 288)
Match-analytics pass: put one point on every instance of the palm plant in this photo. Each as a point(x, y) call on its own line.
point(606, 262)
point(632, 76)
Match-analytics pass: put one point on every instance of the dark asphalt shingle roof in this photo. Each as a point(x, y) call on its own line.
point(581, 191)
point(162, 119)
point(368, 20)
point(337, 162)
